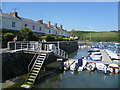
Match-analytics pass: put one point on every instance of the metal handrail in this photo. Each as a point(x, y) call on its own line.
point(27, 46)
point(31, 61)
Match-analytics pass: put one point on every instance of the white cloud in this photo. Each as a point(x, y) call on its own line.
point(90, 28)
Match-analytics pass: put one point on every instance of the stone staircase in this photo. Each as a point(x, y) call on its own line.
point(34, 71)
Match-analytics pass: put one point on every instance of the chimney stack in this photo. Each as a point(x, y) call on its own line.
point(40, 21)
point(55, 25)
point(61, 27)
point(48, 23)
point(15, 14)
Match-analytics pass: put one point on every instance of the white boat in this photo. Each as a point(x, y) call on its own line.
point(90, 66)
point(116, 61)
point(80, 68)
point(72, 67)
point(114, 68)
point(96, 57)
point(102, 68)
point(95, 53)
point(114, 56)
point(94, 50)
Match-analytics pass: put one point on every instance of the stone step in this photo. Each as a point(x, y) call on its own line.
point(35, 71)
point(36, 68)
point(38, 61)
point(25, 86)
point(32, 76)
point(43, 54)
point(31, 79)
point(30, 83)
point(37, 65)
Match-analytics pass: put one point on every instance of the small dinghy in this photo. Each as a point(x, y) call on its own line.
point(73, 66)
point(90, 66)
point(114, 68)
point(102, 68)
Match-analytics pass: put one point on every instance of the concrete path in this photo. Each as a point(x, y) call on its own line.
point(105, 57)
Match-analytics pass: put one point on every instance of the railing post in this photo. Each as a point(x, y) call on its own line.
point(8, 45)
point(21, 45)
point(27, 45)
point(40, 47)
point(15, 45)
point(33, 46)
point(47, 47)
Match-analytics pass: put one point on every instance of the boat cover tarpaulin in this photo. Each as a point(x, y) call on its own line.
point(80, 62)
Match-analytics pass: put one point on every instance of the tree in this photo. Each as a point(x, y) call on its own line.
point(8, 37)
point(26, 34)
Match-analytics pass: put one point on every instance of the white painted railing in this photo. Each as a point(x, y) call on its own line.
point(36, 47)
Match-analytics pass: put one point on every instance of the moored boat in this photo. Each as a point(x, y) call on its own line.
point(114, 68)
point(95, 53)
point(90, 66)
point(73, 66)
point(102, 68)
point(96, 57)
point(94, 50)
point(84, 62)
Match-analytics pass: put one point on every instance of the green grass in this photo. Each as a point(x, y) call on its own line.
point(97, 36)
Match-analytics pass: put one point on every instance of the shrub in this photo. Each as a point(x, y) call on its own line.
point(8, 37)
point(60, 39)
point(50, 38)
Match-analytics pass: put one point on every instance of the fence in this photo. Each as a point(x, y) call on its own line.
point(37, 47)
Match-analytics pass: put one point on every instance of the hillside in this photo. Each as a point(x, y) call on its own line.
point(97, 36)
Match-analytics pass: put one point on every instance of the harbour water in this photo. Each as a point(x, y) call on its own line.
point(84, 79)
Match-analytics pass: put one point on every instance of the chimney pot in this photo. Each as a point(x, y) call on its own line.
point(40, 21)
point(55, 25)
point(48, 23)
point(61, 27)
point(15, 14)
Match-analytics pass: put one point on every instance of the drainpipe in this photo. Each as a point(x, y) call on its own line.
point(58, 48)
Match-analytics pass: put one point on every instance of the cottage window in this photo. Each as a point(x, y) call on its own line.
point(25, 25)
point(40, 29)
point(33, 27)
point(13, 24)
point(49, 31)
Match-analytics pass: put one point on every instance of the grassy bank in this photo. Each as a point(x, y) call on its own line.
point(97, 36)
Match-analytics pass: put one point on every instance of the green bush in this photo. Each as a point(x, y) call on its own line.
point(66, 39)
point(50, 38)
point(60, 39)
point(8, 37)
